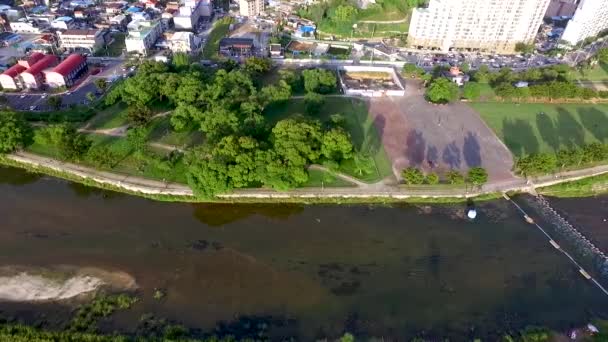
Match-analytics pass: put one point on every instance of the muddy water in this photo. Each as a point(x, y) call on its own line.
point(308, 270)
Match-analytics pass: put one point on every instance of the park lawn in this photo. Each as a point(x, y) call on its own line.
point(163, 133)
point(324, 179)
point(486, 92)
point(219, 31)
point(585, 187)
point(358, 123)
point(597, 73)
point(525, 129)
point(148, 166)
point(111, 117)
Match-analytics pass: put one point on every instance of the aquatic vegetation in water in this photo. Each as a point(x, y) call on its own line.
point(103, 306)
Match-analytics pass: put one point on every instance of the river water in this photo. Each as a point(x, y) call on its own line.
point(307, 271)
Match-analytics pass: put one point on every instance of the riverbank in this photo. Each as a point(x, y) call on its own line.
point(174, 192)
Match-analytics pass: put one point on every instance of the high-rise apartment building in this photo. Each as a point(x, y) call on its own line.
point(590, 18)
point(476, 25)
point(251, 8)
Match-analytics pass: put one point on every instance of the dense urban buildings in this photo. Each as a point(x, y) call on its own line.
point(590, 18)
point(251, 8)
point(476, 25)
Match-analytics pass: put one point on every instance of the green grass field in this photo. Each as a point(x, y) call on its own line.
point(531, 128)
point(597, 73)
point(219, 31)
point(357, 122)
point(111, 117)
point(318, 179)
point(163, 133)
point(148, 166)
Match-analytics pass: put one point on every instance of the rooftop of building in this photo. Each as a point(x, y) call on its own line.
point(14, 70)
point(79, 32)
point(236, 41)
point(42, 64)
point(69, 64)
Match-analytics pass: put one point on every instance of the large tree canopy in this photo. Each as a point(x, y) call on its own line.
point(15, 132)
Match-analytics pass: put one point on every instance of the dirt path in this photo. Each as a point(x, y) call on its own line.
point(153, 187)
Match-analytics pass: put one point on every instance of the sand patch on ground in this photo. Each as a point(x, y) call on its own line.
point(23, 284)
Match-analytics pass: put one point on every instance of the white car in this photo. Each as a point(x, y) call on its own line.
point(32, 107)
point(22, 96)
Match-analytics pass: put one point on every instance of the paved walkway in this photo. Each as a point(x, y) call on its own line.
point(377, 190)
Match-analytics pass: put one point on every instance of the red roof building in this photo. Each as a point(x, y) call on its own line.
point(64, 74)
point(33, 77)
point(31, 60)
point(9, 78)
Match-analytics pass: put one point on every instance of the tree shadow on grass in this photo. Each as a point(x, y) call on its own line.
point(548, 130)
point(595, 121)
point(571, 132)
point(372, 140)
point(519, 137)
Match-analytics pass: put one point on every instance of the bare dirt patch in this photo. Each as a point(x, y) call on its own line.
point(438, 138)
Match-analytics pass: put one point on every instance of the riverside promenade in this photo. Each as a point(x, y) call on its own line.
point(359, 191)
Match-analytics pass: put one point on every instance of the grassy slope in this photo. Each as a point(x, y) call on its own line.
point(524, 130)
point(111, 117)
point(220, 29)
point(358, 123)
point(584, 187)
point(147, 166)
point(598, 73)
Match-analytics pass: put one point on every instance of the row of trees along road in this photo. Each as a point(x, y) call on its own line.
point(242, 149)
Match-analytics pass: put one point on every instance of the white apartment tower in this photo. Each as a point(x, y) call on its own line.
point(476, 25)
point(590, 18)
point(251, 8)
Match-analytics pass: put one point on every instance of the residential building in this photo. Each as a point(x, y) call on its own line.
point(67, 72)
point(119, 21)
point(33, 77)
point(476, 25)
point(590, 18)
point(190, 12)
point(251, 8)
point(142, 35)
point(63, 23)
point(236, 47)
point(90, 40)
point(182, 42)
point(27, 26)
point(559, 8)
point(456, 76)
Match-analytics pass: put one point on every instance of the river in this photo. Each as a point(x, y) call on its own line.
point(307, 271)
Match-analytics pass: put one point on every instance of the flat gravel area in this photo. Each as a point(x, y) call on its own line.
point(438, 137)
